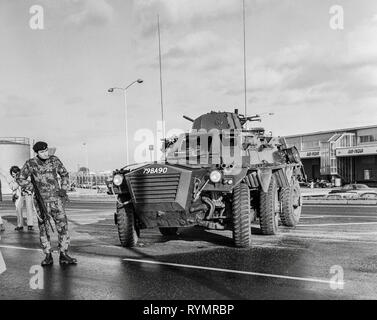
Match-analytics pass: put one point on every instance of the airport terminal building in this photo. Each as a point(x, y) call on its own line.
point(349, 154)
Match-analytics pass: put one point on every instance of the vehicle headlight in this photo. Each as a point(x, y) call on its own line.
point(215, 176)
point(118, 179)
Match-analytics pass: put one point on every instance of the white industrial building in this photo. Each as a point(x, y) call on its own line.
point(14, 151)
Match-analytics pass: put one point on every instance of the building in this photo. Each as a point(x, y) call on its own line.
point(346, 154)
point(89, 179)
point(14, 151)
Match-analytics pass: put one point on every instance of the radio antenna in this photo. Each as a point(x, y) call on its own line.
point(244, 53)
point(161, 99)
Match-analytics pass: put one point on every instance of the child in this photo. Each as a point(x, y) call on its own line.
point(19, 197)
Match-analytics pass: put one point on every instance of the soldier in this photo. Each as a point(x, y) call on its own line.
point(45, 169)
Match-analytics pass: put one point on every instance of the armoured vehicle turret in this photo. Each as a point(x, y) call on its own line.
point(221, 175)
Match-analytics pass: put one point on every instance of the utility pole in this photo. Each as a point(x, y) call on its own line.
point(161, 99)
point(244, 54)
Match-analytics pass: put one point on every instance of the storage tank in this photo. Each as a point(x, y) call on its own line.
point(13, 152)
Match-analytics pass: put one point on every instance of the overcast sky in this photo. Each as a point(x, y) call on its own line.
point(53, 82)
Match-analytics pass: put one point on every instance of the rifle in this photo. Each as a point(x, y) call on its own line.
point(41, 205)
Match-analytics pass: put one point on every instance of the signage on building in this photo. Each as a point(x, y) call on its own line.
point(310, 154)
point(356, 151)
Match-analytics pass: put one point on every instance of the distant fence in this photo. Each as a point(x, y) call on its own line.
point(15, 140)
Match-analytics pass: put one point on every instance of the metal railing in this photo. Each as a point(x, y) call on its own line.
point(14, 140)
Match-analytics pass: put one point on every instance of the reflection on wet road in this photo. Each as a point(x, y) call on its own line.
point(332, 254)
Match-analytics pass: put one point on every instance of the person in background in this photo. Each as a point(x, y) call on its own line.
point(20, 197)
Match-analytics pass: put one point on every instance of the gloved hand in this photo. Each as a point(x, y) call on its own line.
point(61, 193)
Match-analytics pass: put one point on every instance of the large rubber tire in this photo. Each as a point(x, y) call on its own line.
point(127, 230)
point(169, 231)
point(241, 216)
point(269, 209)
point(291, 204)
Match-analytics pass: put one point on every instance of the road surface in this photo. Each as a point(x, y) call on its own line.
point(331, 254)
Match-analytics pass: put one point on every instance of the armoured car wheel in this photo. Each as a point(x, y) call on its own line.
point(127, 230)
point(241, 216)
point(169, 231)
point(269, 209)
point(291, 204)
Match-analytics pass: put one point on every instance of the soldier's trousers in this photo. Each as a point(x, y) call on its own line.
point(56, 211)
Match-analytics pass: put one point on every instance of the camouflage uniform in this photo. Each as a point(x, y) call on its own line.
point(46, 174)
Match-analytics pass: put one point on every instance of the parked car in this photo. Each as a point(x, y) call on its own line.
point(322, 184)
point(316, 184)
point(336, 196)
point(353, 194)
point(368, 195)
point(359, 188)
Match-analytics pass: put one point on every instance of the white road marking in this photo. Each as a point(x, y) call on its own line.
point(80, 216)
point(230, 271)
point(85, 221)
point(370, 206)
point(108, 261)
point(335, 224)
point(312, 217)
point(3, 266)
point(323, 237)
point(19, 248)
point(339, 216)
point(78, 210)
point(105, 214)
point(362, 233)
point(88, 218)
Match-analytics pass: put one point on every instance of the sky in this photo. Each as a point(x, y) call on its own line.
point(54, 81)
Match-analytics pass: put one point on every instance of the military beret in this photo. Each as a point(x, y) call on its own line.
point(39, 146)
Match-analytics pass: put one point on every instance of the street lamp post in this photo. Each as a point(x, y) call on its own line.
point(151, 148)
point(87, 163)
point(125, 110)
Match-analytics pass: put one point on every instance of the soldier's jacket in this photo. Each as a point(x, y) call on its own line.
point(46, 174)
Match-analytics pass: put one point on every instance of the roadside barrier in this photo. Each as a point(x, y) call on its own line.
point(323, 200)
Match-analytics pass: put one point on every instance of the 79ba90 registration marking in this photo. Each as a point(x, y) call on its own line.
point(155, 170)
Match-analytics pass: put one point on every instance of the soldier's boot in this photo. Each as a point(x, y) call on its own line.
point(48, 260)
point(65, 259)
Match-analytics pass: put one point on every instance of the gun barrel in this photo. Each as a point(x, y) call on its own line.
point(40, 203)
point(188, 118)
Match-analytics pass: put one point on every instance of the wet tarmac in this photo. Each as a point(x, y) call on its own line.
point(331, 254)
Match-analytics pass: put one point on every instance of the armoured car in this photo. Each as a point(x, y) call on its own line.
point(223, 174)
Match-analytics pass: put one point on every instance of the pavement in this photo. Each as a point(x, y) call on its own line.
point(331, 254)
point(306, 192)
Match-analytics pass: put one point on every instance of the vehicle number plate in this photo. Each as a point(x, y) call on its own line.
point(160, 170)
